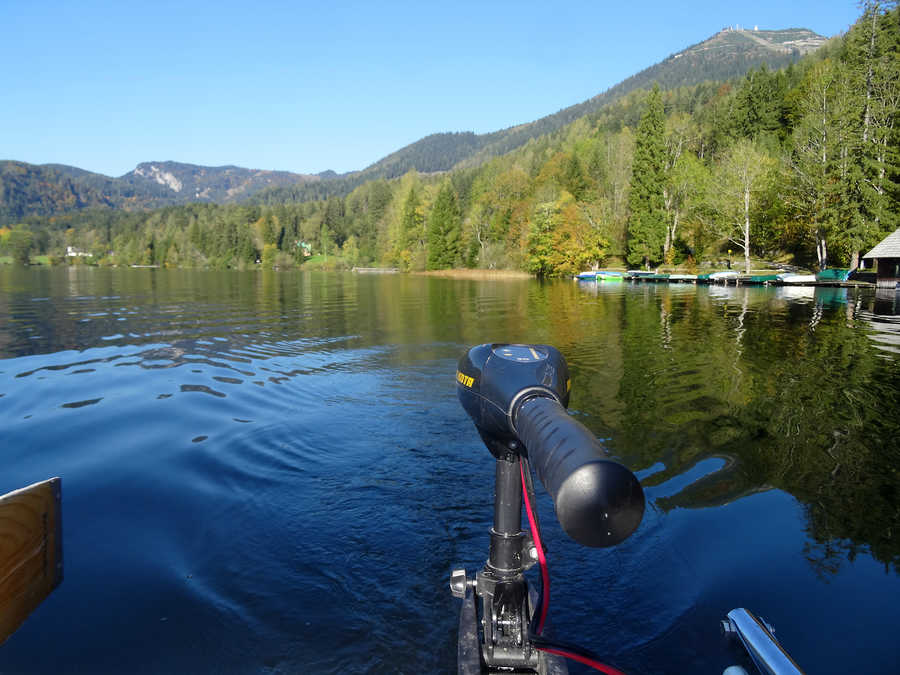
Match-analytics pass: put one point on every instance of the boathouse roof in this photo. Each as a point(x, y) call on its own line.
point(889, 247)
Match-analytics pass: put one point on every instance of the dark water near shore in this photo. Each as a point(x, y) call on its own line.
point(271, 472)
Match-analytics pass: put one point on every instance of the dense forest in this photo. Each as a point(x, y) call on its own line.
point(798, 163)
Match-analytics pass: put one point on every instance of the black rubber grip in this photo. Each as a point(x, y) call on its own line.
point(598, 502)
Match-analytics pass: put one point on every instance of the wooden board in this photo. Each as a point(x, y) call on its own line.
point(30, 551)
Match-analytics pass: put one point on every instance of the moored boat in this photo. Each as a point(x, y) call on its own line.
point(761, 279)
point(833, 274)
point(797, 278)
point(723, 276)
point(600, 275)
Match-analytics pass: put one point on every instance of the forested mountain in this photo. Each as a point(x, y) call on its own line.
point(801, 164)
point(51, 189)
point(729, 53)
point(30, 190)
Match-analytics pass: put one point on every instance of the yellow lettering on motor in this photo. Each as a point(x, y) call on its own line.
point(464, 380)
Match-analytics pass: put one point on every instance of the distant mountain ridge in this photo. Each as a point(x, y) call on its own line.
point(44, 190)
point(728, 54)
point(47, 189)
point(211, 183)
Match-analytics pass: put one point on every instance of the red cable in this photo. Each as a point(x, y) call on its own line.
point(536, 536)
point(596, 665)
point(545, 591)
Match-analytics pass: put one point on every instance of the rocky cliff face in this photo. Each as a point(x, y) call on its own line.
point(191, 182)
point(153, 172)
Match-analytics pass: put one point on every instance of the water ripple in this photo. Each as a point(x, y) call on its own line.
point(302, 514)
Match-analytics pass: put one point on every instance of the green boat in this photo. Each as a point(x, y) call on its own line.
point(762, 279)
point(833, 274)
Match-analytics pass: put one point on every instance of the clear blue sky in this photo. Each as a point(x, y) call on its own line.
point(308, 86)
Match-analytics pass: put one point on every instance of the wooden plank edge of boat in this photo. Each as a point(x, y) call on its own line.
point(31, 562)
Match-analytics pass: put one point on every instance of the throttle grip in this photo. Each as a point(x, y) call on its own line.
point(598, 502)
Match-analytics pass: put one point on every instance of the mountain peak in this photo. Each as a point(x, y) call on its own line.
point(733, 40)
point(730, 53)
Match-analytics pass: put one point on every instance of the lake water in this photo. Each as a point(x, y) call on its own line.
point(270, 472)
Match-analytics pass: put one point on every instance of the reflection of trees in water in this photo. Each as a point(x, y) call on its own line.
point(790, 388)
point(794, 392)
point(828, 433)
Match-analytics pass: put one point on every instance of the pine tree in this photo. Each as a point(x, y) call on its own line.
point(334, 219)
point(872, 55)
point(444, 226)
point(573, 177)
point(412, 222)
point(759, 106)
point(647, 224)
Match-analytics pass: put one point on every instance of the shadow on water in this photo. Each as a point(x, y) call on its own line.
point(270, 472)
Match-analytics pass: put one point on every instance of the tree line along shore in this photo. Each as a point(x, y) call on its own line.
point(798, 165)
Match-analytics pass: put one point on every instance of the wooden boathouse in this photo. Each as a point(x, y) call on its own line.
point(887, 256)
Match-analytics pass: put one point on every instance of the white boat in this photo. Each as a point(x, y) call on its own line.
point(723, 276)
point(797, 278)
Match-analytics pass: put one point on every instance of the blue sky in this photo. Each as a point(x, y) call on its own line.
point(300, 86)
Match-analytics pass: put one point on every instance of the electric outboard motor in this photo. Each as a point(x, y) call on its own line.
point(517, 397)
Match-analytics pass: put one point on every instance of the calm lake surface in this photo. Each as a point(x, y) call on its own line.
point(270, 472)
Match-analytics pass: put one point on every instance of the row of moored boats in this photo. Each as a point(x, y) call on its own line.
point(726, 277)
